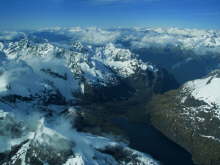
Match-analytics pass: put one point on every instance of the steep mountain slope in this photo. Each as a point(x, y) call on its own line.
point(190, 116)
point(30, 141)
point(49, 91)
point(103, 67)
point(37, 98)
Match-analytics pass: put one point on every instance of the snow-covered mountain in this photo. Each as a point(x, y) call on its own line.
point(42, 87)
point(96, 65)
point(93, 66)
point(206, 89)
point(50, 78)
point(34, 93)
point(28, 139)
point(177, 50)
point(191, 117)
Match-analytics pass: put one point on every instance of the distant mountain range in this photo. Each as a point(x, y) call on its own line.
point(186, 53)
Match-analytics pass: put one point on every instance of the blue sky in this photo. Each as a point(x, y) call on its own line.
point(31, 14)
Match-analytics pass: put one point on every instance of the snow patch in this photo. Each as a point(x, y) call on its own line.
point(206, 89)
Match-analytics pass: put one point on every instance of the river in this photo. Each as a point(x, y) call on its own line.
point(147, 139)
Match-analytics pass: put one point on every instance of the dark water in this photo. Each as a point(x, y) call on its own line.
point(147, 139)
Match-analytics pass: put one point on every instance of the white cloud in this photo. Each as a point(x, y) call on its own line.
point(10, 35)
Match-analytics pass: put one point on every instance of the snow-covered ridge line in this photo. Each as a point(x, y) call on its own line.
point(46, 141)
point(96, 65)
point(201, 96)
point(40, 83)
point(206, 89)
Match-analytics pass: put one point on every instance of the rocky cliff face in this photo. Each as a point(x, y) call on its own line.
point(190, 117)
